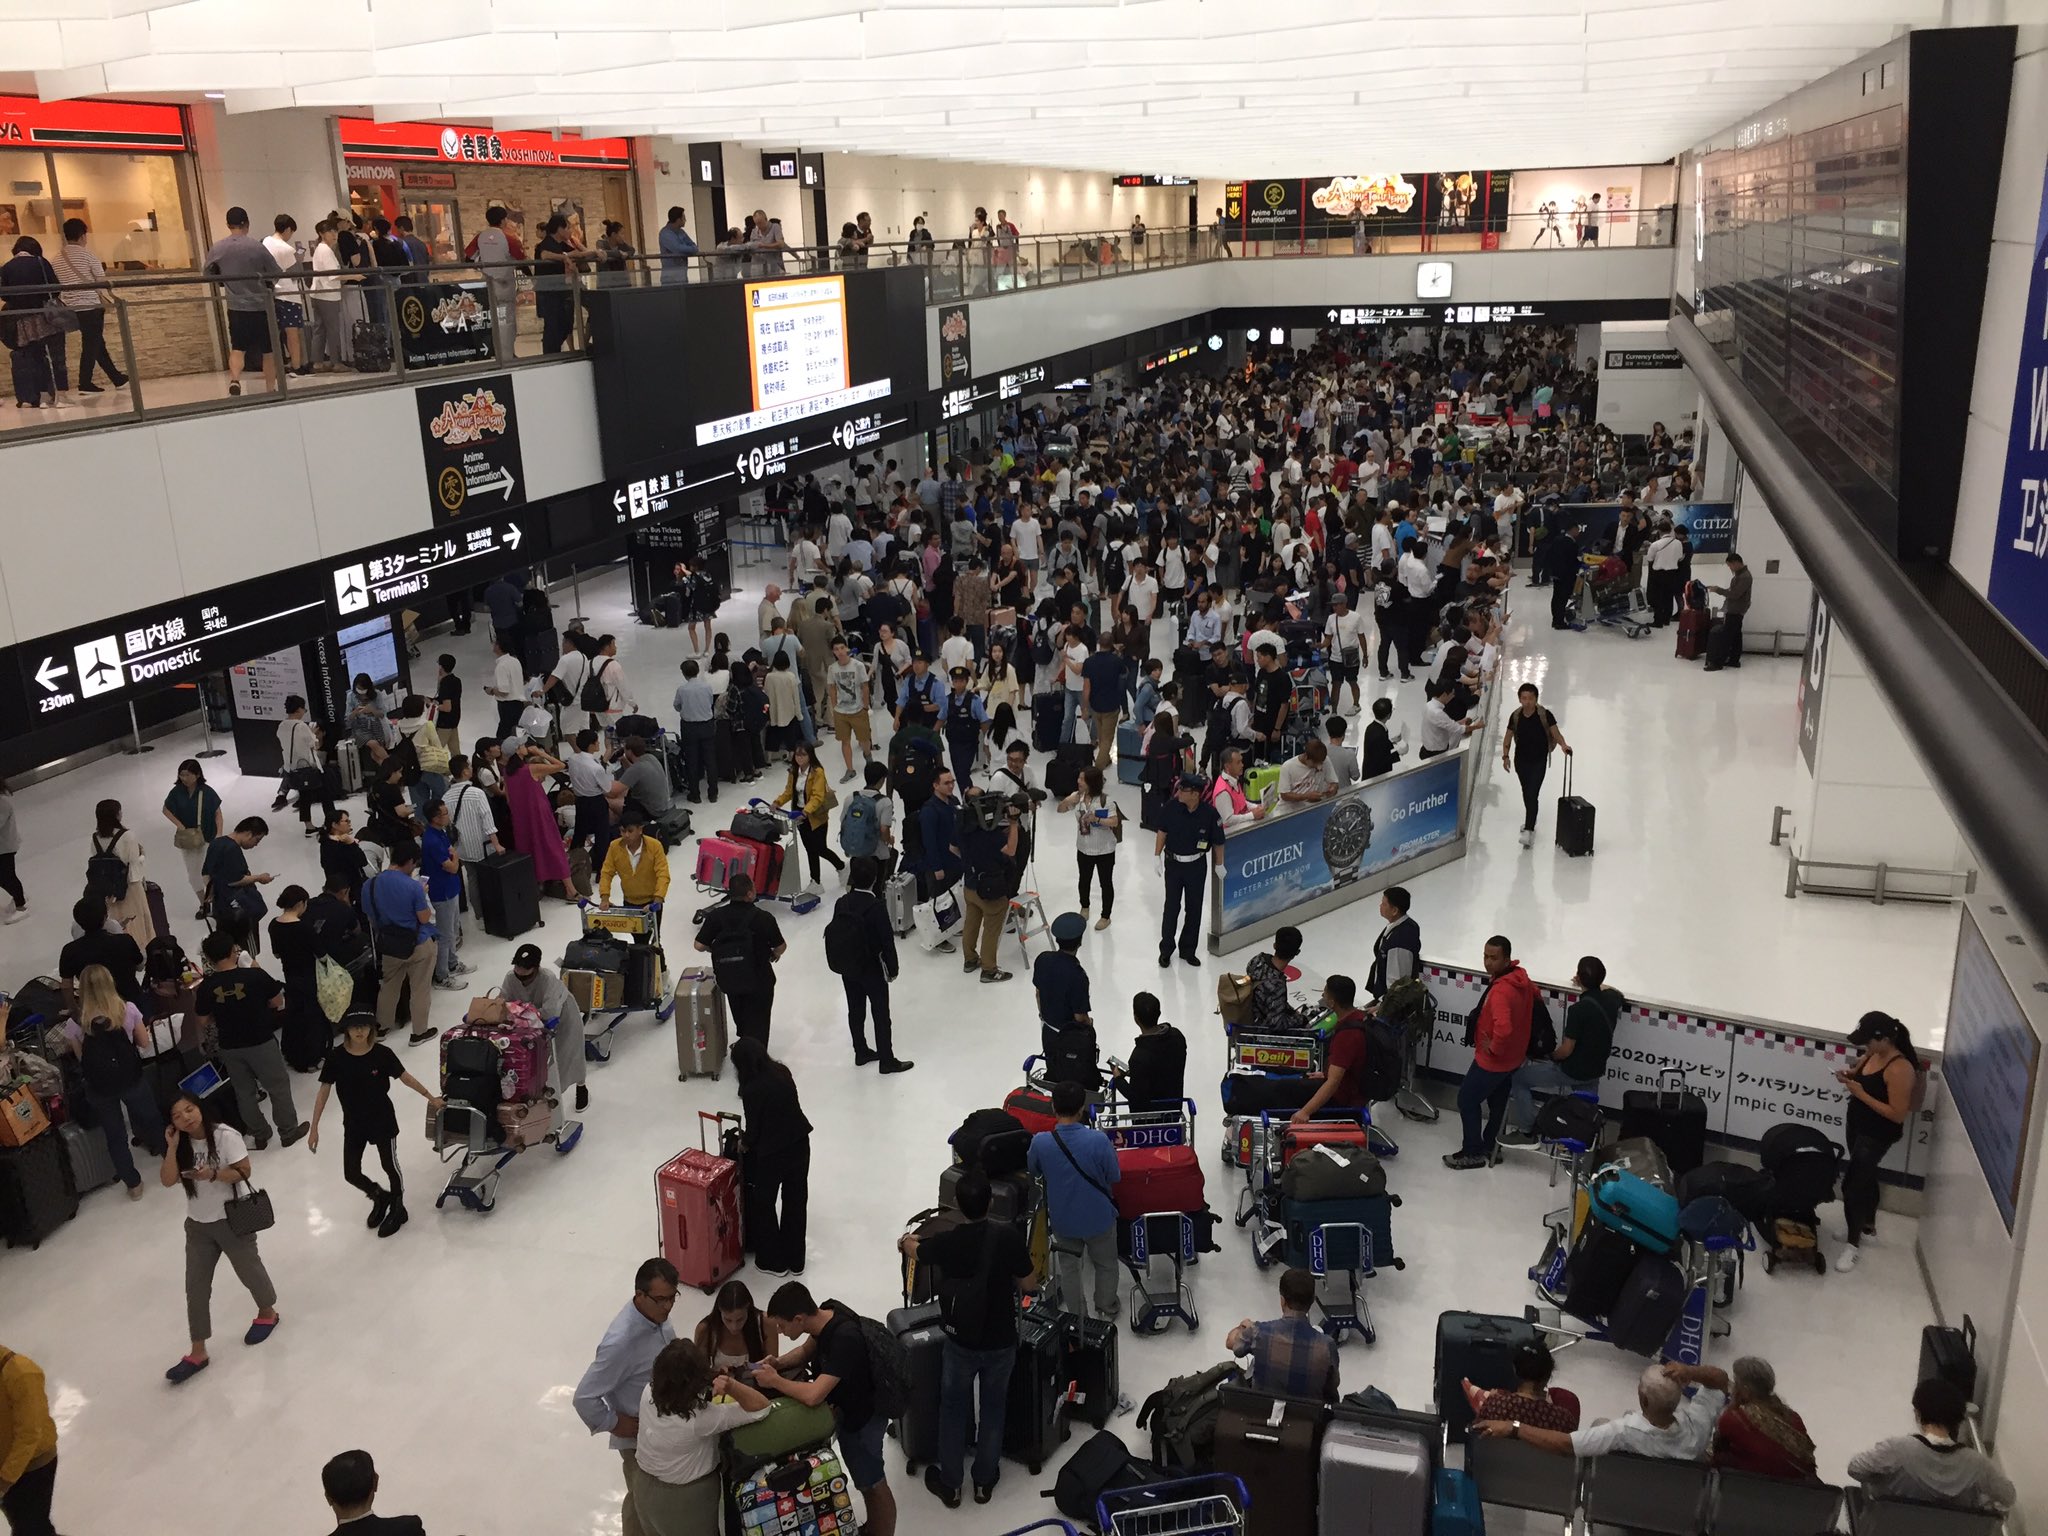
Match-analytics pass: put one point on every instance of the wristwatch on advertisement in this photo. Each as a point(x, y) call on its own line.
point(1347, 833)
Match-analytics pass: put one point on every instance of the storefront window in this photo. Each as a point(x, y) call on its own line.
point(134, 206)
point(26, 199)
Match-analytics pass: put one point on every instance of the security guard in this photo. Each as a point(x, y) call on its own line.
point(1190, 838)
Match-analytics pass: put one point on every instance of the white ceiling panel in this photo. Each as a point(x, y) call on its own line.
point(1188, 86)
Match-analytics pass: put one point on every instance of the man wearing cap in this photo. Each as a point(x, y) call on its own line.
point(531, 982)
point(1061, 984)
point(963, 717)
point(918, 699)
point(1189, 840)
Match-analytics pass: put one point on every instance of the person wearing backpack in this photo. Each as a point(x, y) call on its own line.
point(108, 1045)
point(981, 1266)
point(116, 870)
point(1579, 1058)
point(860, 949)
point(841, 1352)
point(867, 823)
point(1499, 1030)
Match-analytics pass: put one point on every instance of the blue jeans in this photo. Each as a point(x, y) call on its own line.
point(1070, 706)
point(143, 1120)
point(431, 787)
point(862, 1450)
point(962, 1368)
point(1491, 1089)
point(1532, 1078)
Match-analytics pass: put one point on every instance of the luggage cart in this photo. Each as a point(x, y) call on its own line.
point(1161, 1243)
point(1211, 1505)
point(462, 1134)
point(798, 901)
point(641, 926)
point(1703, 1263)
point(1340, 1256)
point(1260, 1199)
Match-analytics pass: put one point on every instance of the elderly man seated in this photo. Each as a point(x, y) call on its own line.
point(1666, 1422)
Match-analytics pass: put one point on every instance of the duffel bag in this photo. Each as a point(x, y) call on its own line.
point(1333, 1171)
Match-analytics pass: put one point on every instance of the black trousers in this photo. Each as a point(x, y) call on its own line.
point(778, 1206)
point(462, 609)
point(1186, 883)
point(10, 882)
point(1663, 596)
point(92, 348)
point(27, 1504)
point(817, 847)
point(751, 1012)
point(1103, 867)
point(1561, 594)
point(353, 1145)
point(1859, 1185)
point(698, 740)
point(509, 711)
point(311, 783)
point(866, 994)
point(1532, 790)
point(594, 821)
point(1392, 622)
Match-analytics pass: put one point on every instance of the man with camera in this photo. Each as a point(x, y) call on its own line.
point(988, 850)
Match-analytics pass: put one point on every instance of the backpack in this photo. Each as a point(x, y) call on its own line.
point(594, 696)
point(1542, 1032)
point(1113, 571)
point(109, 1061)
point(1183, 1414)
point(106, 872)
point(843, 948)
point(860, 830)
point(888, 1364)
point(164, 959)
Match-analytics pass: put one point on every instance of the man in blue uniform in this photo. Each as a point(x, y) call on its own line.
point(1189, 840)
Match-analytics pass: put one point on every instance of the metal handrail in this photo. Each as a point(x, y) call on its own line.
point(1882, 873)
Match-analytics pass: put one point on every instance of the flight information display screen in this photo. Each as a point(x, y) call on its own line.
point(801, 357)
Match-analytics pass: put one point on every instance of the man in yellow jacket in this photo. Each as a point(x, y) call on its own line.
point(637, 862)
point(28, 1444)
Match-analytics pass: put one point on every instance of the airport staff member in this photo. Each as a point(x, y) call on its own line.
point(1190, 838)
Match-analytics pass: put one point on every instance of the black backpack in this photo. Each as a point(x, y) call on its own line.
point(109, 1060)
point(106, 872)
point(1542, 1032)
point(594, 696)
point(843, 947)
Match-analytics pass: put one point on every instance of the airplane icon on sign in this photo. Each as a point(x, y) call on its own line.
point(350, 595)
point(99, 666)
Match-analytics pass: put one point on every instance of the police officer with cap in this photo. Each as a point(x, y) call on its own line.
point(1189, 840)
point(531, 982)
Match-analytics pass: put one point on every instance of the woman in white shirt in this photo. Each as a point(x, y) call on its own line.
point(1098, 828)
point(131, 908)
point(326, 295)
point(290, 297)
point(683, 1411)
point(210, 1158)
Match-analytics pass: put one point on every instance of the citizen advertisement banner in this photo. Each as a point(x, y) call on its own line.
point(1709, 525)
point(956, 361)
point(469, 433)
point(1284, 861)
point(1752, 1074)
point(443, 324)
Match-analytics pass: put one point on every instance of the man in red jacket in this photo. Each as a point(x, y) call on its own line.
point(1500, 1045)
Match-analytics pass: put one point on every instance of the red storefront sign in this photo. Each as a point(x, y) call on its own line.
point(433, 144)
point(27, 123)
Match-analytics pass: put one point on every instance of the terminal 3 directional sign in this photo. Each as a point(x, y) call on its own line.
point(108, 662)
point(433, 564)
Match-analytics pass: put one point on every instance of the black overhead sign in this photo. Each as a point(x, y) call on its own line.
point(1515, 312)
point(443, 324)
point(661, 494)
point(406, 572)
point(469, 432)
point(157, 647)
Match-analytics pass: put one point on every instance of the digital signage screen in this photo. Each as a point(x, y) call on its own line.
point(700, 372)
point(1390, 203)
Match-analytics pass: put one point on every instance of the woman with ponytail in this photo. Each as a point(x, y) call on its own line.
point(1881, 1088)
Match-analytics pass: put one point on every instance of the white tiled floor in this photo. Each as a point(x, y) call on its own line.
point(451, 1350)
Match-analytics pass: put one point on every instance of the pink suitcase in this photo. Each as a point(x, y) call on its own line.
point(719, 858)
point(522, 1042)
point(697, 1201)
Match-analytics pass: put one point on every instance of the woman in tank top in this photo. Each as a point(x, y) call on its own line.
point(734, 1332)
point(1881, 1088)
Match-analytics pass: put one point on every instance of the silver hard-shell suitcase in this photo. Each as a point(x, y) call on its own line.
point(1376, 1478)
point(899, 899)
point(702, 1031)
point(92, 1166)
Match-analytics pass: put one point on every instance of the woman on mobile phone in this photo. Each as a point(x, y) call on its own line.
point(209, 1157)
point(1099, 827)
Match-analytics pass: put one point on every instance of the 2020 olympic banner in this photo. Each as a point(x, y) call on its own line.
point(1278, 864)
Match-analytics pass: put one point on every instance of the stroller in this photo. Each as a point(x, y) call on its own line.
point(1610, 598)
point(1804, 1166)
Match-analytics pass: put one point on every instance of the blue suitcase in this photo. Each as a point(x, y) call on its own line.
point(1635, 1208)
point(1457, 1511)
point(1375, 1213)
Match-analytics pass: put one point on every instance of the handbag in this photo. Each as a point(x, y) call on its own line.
point(63, 318)
point(248, 1214)
point(334, 987)
point(187, 838)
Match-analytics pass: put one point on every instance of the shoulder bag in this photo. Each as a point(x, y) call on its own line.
point(1093, 1183)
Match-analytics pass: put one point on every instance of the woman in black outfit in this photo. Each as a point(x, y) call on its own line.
point(340, 855)
point(777, 1161)
point(305, 1032)
point(551, 281)
point(1165, 759)
point(1881, 1087)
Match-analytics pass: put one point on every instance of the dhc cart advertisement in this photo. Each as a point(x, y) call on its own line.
point(1277, 864)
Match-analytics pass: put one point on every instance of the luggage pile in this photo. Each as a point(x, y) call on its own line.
point(753, 847)
point(498, 1102)
point(617, 967)
point(1163, 1219)
point(1800, 1165)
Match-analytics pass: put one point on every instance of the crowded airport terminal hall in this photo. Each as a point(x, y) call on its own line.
point(958, 767)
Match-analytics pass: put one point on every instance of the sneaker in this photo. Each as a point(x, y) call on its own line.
point(1846, 1259)
point(988, 976)
point(235, 387)
point(16, 915)
point(1101, 923)
point(134, 1191)
point(775, 1274)
point(1515, 1138)
point(846, 777)
point(422, 1037)
point(1528, 837)
point(462, 968)
point(896, 1064)
point(983, 1492)
point(969, 966)
point(1461, 1161)
point(450, 983)
point(943, 947)
point(950, 1497)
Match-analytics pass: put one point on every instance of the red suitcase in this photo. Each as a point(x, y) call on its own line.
point(1032, 1108)
point(697, 1200)
point(1693, 626)
point(1299, 1138)
point(1158, 1179)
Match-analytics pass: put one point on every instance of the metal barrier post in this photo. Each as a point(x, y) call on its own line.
point(1880, 884)
point(1791, 875)
point(135, 726)
point(128, 354)
point(1778, 815)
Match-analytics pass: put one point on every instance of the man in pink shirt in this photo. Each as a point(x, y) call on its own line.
point(1500, 1042)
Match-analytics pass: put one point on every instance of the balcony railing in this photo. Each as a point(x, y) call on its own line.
point(169, 336)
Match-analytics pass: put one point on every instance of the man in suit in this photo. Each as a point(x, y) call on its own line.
point(350, 1483)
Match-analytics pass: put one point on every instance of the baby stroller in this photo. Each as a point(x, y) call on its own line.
point(1610, 598)
point(1804, 1165)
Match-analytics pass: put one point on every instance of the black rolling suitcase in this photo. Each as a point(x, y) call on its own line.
point(36, 1193)
point(1090, 1371)
point(1671, 1117)
point(1048, 715)
point(1951, 1354)
point(1648, 1308)
point(1033, 1425)
point(917, 1330)
point(1574, 818)
point(507, 895)
point(1471, 1346)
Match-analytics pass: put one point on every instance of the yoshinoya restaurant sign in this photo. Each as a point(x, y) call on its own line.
point(1752, 1074)
point(469, 434)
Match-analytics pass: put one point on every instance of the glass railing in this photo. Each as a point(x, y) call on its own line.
point(177, 343)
